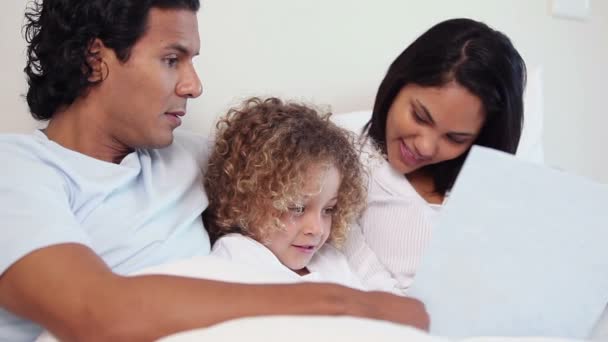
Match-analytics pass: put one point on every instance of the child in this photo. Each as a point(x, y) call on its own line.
point(284, 183)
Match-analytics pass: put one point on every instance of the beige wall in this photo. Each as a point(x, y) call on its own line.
point(336, 51)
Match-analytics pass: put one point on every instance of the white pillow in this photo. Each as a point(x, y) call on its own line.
point(531, 143)
point(353, 121)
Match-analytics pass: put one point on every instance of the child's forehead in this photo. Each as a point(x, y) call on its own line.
point(319, 169)
point(321, 178)
point(317, 173)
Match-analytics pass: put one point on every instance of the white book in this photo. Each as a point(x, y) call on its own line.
point(520, 249)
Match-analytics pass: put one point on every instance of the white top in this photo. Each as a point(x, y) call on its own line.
point(142, 212)
point(385, 246)
point(327, 265)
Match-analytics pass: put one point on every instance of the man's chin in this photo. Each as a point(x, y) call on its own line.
point(160, 143)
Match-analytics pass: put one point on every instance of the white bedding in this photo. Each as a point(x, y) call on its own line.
point(288, 328)
point(334, 329)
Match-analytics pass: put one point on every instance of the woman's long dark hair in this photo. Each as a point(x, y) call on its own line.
point(475, 56)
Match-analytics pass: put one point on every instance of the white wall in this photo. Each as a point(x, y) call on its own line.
point(335, 52)
point(14, 116)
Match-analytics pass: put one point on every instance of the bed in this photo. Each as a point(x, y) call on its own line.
point(335, 329)
point(291, 328)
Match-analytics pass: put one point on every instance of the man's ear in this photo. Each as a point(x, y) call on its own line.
point(95, 59)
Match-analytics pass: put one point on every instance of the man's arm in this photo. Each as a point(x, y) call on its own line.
point(70, 291)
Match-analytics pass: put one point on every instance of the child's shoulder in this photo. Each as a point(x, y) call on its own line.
point(329, 255)
point(333, 266)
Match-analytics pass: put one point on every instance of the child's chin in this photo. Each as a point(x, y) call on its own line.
point(299, 269)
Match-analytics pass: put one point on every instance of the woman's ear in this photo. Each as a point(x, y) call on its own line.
point(95, 61)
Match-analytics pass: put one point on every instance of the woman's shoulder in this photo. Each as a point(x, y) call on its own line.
point(385, 180)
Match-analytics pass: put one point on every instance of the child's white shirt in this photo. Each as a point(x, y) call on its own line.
point(328, 264)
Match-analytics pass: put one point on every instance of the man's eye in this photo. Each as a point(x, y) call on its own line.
point(171, 61)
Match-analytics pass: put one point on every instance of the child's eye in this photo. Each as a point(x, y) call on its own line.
point(329, 211)
point(297, 209)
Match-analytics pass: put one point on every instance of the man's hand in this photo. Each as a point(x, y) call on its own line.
point(71, 292)
point(388, 307)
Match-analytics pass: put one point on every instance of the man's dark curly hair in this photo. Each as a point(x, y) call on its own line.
point(59, 34)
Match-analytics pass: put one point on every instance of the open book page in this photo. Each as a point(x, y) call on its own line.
point(519, 250)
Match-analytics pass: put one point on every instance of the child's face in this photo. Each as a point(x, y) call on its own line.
point(307, 224)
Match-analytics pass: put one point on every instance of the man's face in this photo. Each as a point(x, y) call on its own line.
point(145, 97)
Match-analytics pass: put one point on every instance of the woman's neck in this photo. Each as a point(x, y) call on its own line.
point(425, 187)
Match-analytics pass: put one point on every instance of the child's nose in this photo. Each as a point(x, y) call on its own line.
point(314, 225)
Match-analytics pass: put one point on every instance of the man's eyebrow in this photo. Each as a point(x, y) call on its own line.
point(425, 111)
point(182, 49)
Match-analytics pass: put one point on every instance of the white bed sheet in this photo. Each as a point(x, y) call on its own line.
point(334, 329)
point(288, 328)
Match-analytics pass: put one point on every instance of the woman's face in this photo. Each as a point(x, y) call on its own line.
point(429, 125)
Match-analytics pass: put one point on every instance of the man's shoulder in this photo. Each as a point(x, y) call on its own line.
point(25, 158)
point(13, 142)
point(26, 148)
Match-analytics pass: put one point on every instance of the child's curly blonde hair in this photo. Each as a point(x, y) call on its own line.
point(258, 168)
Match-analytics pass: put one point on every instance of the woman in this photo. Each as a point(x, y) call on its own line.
point(460, 83)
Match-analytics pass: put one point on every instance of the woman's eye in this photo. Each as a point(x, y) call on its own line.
point(418, 118)
point(457, 140)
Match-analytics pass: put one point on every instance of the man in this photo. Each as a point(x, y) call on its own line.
point(107, 189)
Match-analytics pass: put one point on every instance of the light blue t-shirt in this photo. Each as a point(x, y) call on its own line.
point(142, 212)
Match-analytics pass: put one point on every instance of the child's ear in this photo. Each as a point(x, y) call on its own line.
point(95, 60)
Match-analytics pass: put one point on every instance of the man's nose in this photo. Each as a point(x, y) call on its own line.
point(190, 84)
